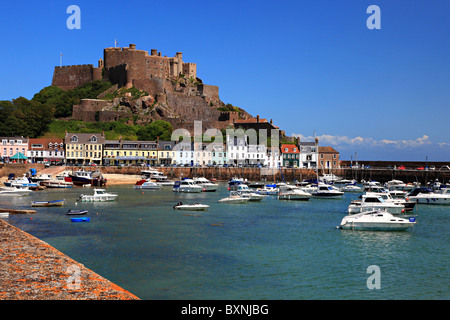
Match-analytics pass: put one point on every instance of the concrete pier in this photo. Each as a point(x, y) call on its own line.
point(31, 269)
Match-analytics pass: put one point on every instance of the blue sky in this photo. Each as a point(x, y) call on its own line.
point(311, 66)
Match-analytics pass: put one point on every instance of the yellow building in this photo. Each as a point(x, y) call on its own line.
point(166, 155)
point(124, 152)
point(84, 148)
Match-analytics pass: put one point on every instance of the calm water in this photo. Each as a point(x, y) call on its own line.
point(268, 250)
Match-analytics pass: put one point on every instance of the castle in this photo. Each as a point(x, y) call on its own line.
point(175, 92)
point(125, 67)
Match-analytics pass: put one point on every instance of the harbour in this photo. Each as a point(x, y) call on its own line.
point(270, 249)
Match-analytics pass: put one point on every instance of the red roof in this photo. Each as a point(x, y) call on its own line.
point(289, 148)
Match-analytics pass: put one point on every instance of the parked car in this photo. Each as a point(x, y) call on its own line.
point(401, 168)
point(445, 168)
point(432, 168)
point(420, 168)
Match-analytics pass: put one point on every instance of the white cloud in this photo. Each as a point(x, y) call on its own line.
point(343, 141)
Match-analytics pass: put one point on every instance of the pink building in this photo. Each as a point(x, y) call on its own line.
point(11, 146)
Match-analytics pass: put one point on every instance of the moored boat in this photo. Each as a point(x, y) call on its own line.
point(55, 183)
point(186, 185)
point(291, 192)
point(246, 192)
point(100, 195)
point(191, 207)
point(81, 178)
point(15, 191)
point(373, 201)
point(53, 203)
point(428, 196)
point(81, 219)
point(325, 191)
point(377, 220)
point(207, 185)
point(4, 214)
point(76, 212)
point(147, 184)
point(234, 197)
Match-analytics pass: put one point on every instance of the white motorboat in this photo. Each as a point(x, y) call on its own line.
point(147, 184)
point(191, 207)
point(427, 196)
point(291, 192)
point(207, 185)
point(21, 182)
point(387, 196)
point(377, 220)
point(41, 177)
point(154, 174)
point(15, 191)
point(186, 185)
point(326, 191)
point(100, 195)
point(234, 197)
point(56, 183)
point(269, 189)
point(329, 178)
point(246, 192)
point(372, 201)
point(351, 188)
point(4, 214)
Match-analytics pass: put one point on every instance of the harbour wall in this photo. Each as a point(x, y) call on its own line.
point(381, 174)
point(291, 174)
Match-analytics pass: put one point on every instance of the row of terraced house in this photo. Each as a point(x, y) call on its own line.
point(95, 149)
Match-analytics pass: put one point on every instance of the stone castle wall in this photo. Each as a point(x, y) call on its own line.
point(70, 77)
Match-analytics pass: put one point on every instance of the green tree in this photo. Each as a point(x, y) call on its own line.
point(152, 131)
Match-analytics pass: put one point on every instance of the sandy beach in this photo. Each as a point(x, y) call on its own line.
point(114, 178)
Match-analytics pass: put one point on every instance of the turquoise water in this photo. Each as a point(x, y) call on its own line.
point(277, 250)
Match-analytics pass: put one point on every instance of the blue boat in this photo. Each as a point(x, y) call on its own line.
point(81, 219)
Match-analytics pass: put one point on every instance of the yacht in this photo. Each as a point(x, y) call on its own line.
point(370, 202)
point(377, 220)
point(325, 191)
point(207, 185)
point(290, 192)
point(186, 185)
point(100, 195)
point(427, 196)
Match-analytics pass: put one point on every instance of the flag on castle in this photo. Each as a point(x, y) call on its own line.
point(115, 43)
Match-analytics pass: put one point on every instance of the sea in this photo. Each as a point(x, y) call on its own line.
point(268, 250)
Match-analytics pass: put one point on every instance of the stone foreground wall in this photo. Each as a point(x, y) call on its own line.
point(33, 270)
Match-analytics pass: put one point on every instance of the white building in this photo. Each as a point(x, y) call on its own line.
point(309, 153)
point(240, 152)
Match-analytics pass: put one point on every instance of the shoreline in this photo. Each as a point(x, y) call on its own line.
point(34, 270)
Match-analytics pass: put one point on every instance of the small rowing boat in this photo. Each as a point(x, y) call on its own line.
point(76, 212)
point(81, 219)
point(54, 203)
